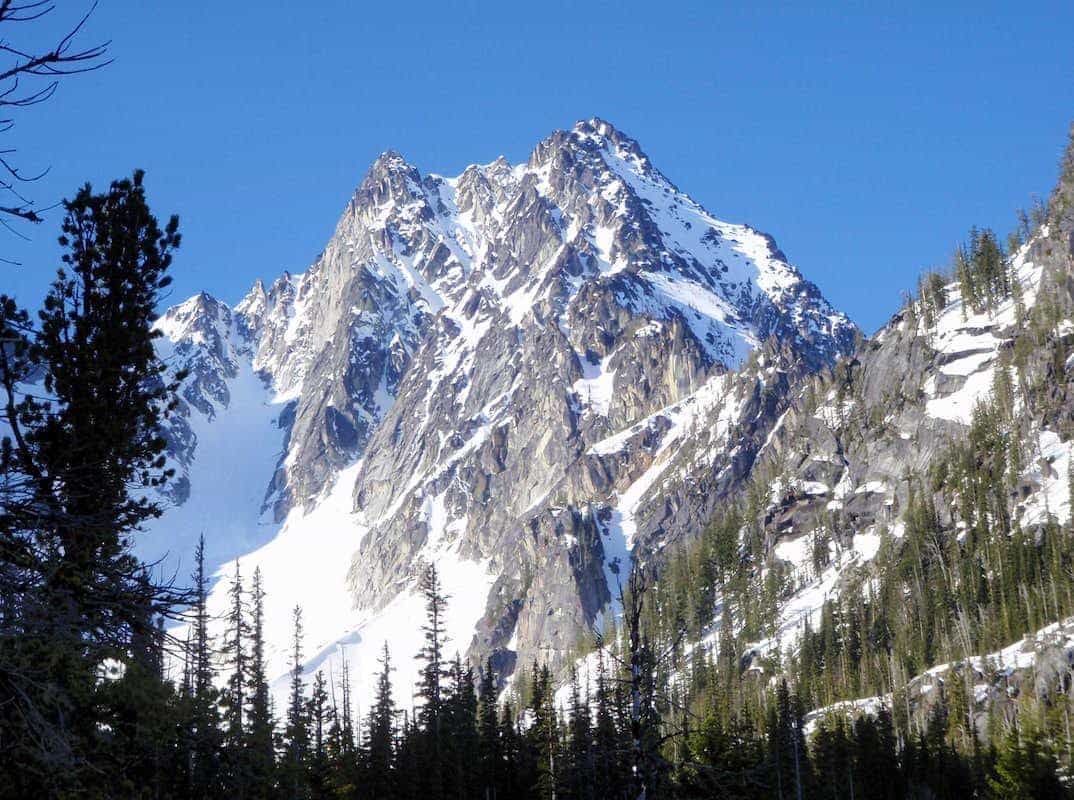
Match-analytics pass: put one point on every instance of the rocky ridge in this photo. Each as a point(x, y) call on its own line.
point(520, 374)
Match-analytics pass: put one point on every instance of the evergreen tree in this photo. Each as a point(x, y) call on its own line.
point(460, 728)
point(580, 772)
point(1026, 767)
point(317, 716)
point(787, 744)
point(234, 699)
point(876, 765)
point(519, 777)
point(430, 687)
point(542, 735)
point(74, 460)
point(380, 736)
point(261, 757)
point(205, 732)
point(609, 768)
point(490, 755)
point(346, 715)
point(296, 735)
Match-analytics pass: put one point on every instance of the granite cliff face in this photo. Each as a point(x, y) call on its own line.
point(854, 444)
point(520, 374)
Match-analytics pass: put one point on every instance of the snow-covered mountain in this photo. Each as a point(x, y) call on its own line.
point(519, 374)
point(939, 453)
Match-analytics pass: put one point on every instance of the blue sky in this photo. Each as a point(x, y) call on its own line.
point(867, 141)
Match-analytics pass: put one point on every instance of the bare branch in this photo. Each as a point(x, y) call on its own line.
point(61, 60)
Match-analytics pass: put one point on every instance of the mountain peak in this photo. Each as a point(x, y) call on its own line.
point(507, 351)
point(252, 306)
point(389, 161)
point(604, 134)
point(595, 125)
point(190, 318)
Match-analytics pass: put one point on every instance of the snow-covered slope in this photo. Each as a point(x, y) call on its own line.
point(221, 482)
point(1033, 666)
point(916, 410)
point(507, 374)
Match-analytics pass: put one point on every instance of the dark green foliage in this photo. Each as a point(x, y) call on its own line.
point(259, 748)
point(490, 749)
point(981, 270)
point(380, 744)
point(318, 714)
point(1026, 767)
point(233, 701)
point(542, 735)
point(202, 724)
point(430, 744)
point(294, 780)
point(71, 593)
point(460, 732)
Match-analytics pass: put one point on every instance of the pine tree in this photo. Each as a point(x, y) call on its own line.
point(609, 767)
point(542, 735)
point(141, 716)
point(344, 766)
point(296, 736)
point(519, 775)
point(1026, 767)
point(787, 744)
point(234, 699)
point(346, 714)
point(380, 736)
point(206, 737)
point(317, 716)
point(261, 755)
point(430, 686)
point(580, 772)
point(460, 728)
point(488, 734)
point(75, 458)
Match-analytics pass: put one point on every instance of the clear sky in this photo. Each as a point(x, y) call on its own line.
point(866, 141)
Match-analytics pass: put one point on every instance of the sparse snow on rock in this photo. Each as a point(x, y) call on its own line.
point(499, 373)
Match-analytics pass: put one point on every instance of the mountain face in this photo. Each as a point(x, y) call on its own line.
point(520, 375)
point(918, 386)
point(921, 465)
point(849, 453)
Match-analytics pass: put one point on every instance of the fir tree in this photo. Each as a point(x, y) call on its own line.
point(380, 736)
point(296, 734)
point(460, 726)
point(580, 773)
point(609, 769)
point(1026, 767)
point(234, 699)
point(488, 734)
point(318, 715)
point(542, 735)
point(205, 733)
point(261, 756)
point(430, 686)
